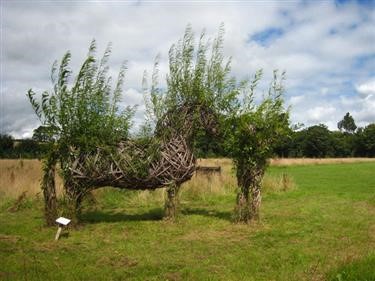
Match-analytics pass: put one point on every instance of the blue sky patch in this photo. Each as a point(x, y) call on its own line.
point(267, 36)
point(370, 3)
point(367, 62)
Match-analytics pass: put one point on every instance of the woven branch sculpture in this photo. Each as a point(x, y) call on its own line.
point(167, 160)
point(120, 168)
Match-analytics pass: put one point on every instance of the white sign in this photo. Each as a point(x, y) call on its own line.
point(63, 221)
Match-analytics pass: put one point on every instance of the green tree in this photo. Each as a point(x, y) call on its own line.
point(6, 145)
point(253, 132)
point(317, 142)
point(368, 140)
point(358, 144)
point(80, 118)
point(342, 144)
point(28, 148)
point(347, 124)
point(43, 134)
point(284, 146)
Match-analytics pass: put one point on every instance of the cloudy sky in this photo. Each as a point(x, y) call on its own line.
point(326, 47)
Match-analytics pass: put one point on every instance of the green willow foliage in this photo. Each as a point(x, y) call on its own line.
point(85, 114)
point(253, 131)
point(198, 76)
point(256, 128)
point(81, 116)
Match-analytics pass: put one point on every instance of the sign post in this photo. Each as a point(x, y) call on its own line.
point(61, 221)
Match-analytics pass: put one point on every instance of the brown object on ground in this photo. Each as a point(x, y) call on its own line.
point(208, 170)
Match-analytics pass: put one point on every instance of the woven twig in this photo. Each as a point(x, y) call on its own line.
point(176, 163)
point(132, 165)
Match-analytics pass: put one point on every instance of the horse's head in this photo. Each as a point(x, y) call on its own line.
point(208, 119)
point(187, 120)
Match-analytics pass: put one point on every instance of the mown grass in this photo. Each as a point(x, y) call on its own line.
point(322, 229)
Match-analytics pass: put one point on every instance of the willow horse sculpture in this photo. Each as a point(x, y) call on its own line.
point(166, 160)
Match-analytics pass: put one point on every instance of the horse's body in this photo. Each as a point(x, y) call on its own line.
point(128, 166)
point(118, 168)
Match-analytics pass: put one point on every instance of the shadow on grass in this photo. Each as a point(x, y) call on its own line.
point(101, 216)
point(207, 213)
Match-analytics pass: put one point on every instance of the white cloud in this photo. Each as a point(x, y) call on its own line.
point(320, 45)
point(319, 113)
point(295, 100)
point(366, 89)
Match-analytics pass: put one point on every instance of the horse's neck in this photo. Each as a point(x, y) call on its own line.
point(177, 122)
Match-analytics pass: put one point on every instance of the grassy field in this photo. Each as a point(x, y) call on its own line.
point(317, 224)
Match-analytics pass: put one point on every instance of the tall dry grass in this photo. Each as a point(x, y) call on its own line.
point(316, 161)
point(202, 185)
point(278, 183)
point(226, 182)
point(22, 175)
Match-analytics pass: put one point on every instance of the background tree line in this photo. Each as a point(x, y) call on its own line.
point(21, 148)
point(314, 141)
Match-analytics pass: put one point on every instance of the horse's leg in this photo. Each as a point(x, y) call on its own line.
point(171, 202)
point(75, 194)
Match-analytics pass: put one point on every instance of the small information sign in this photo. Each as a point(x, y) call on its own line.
point(62, 222)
